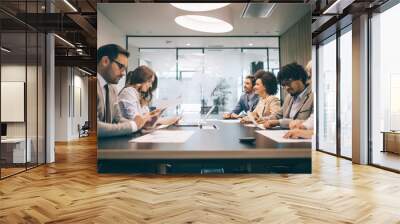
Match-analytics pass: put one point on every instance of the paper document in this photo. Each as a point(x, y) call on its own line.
point(253, 120)
point(277, 136)
point(232, 121)
point(212, 119)
point(162, 126)
point(260, 126)
point(164, 136)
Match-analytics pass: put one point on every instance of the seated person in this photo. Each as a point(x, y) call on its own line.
point(299, 133)
point(135, 97)
point(146, 100)
point(266, 87)
point(137, 82)
point(112, 61)
point(247, 101)
point(298, 104)
point(301, 128)
point(303, 124)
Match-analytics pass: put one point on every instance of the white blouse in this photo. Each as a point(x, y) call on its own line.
point(129, 103)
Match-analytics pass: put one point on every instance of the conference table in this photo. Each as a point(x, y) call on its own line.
point(208, 150)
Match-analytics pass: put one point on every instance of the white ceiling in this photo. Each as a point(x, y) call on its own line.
point(158, 19)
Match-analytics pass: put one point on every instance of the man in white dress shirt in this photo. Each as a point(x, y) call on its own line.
point(112, 62)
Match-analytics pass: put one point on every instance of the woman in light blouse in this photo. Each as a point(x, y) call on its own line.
point(266, 87)
point(135, 97)
point(132, 100)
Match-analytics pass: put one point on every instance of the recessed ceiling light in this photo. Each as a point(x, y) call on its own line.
point(188, 44)
point(204, 24)
point(250, 44)
point(199, 7)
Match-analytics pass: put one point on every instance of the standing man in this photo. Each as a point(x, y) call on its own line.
point(298, 104)
point(112, 62)
point(247, 101)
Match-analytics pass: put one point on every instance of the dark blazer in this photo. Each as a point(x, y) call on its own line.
point(246, 105)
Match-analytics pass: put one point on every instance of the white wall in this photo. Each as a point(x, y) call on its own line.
point(69, 85)
point(81, 104)
point(108, 32)
point(61, 103)
point(12, 73)
point(133, 62)
point(33, 126)
point(133, 58)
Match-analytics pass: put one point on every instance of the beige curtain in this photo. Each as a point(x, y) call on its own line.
point(295, 43)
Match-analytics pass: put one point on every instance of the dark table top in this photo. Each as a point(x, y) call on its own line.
point(222, 143)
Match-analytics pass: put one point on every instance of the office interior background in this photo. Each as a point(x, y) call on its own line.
point(48, 78)
point(38, 107)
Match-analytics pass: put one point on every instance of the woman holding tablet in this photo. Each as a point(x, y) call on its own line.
point(132, 100)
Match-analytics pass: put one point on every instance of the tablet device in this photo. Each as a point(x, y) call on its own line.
point(247, 139)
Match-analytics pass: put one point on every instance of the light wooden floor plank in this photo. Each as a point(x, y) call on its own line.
point(71, 191)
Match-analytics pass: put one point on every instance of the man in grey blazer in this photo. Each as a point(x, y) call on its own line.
point(299, 102)
point(247, 101)
point(112, 61)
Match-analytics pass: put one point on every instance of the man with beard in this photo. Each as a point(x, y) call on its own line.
point(247, 101)
point(298, 104)
point(112, 62)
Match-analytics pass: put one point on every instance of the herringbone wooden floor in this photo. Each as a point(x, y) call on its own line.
point(70, 191)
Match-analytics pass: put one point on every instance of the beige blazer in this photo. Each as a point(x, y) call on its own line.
point(306, 109)
point(268, 106)
point(119, 125)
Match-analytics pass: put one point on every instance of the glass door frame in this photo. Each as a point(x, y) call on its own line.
point(32, 30)
point(382, 8)
point(338, 34)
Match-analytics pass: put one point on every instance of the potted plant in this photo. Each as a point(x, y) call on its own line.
point(220, 95)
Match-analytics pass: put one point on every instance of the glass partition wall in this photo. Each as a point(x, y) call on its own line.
point(334, 95)
point(345, 109)
point(326, 54)
point(22, 77)
point(205, 77)
point(203, 71)
point(385, 89)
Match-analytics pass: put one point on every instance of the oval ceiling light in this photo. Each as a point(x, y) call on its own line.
point(203, 24)
point(199, 7)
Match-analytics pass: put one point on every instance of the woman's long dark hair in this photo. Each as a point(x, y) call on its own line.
point(140, 75)
point(269, 81)
point(148, 96)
